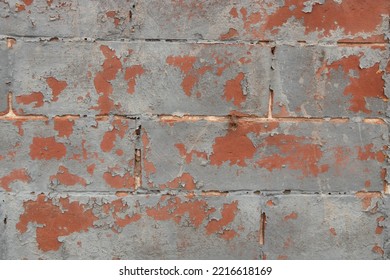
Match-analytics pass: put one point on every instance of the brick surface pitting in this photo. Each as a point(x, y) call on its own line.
point(184, 129)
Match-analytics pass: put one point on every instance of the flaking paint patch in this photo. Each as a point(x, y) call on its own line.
point(364, 83)
point(64, 126)
point(117, 181)
point(118, 209)
point(236, 147)
point(56, 87)
point(331, 15)
point(102, 81)
point(131, 74)
point(54, 220)
point(119, 130)
point(175, 209)
point(292, 216)
point(233, 90)
point(367, 198)
point(185, 179)
point(46, 149)
point(64, 177)
point(35, 98)
point(14, 175)
point(295, 152)
point(228, 214)
point(149, 167)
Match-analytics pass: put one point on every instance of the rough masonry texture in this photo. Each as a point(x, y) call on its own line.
point(183, 129)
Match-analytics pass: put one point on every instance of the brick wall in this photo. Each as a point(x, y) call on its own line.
point(194, 129)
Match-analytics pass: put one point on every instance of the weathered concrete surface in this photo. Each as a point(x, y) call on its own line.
point(4, 77)
point(66, 154)
point(288, 20)
point(133, 227)
point(3, 226)
point(324, 227)
point(385, 224)
point(140, 78)
point(323, 81)
point(245, 155)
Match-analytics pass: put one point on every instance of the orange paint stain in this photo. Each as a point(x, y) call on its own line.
point(366, 198)
point(366, 153)
point(174, 209)
point(119, 130)
point(377, 249)
point(188, 155)
point(149, 167)
point(185, 179)
point(235, 147)
point(54, 220)
point(91, 168)
point(126, 181)
point(46, 149)
point(232, 33)
point(113, 15)
point(64, 177)
point(28, 2)
point(292, 216)
point(292, 151)
point(233, 90)
point(131, 74)
point(270, 203)
point(56, 87)
point(35, 97)
point(13, 176)
point(19, 125)
point(332, 15)
point(64, 126)
point(102, 81)
point(367, 84)
point(228, 214)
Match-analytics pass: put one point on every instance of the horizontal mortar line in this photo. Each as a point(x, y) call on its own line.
point(198, 193)
point(193, 41)
point(189, 118)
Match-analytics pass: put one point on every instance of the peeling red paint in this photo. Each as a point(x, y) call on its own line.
point(228, 214)
point(131, 74)
point(56, 87)
point(19, 125)
point(91, 168)
point(54, 220)
point(235, 147)
point(232, 33)
point(366, 153)
point(366, 198)
point(149, 167)
point(34, 97)
point(14, 175)
point(46, 149)
point(64, 126)
point(333, 231)
point(367, 84)
point(377, 249)
point(119, 130)
point(332, 15)
point(28, 2)
point(294, 152)
point(379, 228)
point(102, 81)
point(174, 209)
point(126, 181)
point(118, 208)
point(188, 155)
point(233, 90)
point(185, 64)
point(114, 16)
point(64, 177)
point(292, 216)
point(186, 179)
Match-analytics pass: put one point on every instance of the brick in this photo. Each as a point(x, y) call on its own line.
point(323, 227)
point(133, 227)
point(244, 155)
point(67, 154)
point(324, 81)
point(211, 20)
point(4, 77)
point(141, 78)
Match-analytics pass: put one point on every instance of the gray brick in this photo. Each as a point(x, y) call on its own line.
point(66, 154)
point(134, 78)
